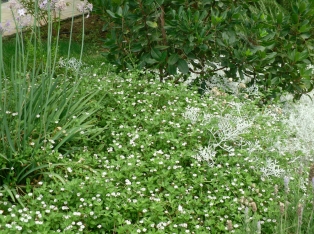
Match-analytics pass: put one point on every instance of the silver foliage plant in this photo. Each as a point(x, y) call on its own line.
point(272, 169)
point(299, 118)
point(229, 128)
point(72, 64)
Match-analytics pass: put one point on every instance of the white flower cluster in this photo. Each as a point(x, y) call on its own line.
point(19, 12)
point(85, 7)
point(57, 5)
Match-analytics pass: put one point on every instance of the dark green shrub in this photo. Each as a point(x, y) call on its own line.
point(273, 49)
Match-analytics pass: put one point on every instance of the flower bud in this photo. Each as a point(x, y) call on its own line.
point(254, 207)
point(229, 225)
point(282, 208)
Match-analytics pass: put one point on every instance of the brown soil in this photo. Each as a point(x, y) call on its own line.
point(92, 27)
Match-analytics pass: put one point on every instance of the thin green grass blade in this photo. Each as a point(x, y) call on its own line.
point(38, 168)
point(52, 174)
point(9, 191)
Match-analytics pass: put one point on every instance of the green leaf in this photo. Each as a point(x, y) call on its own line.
point(279, 17)
point(258, 48)
point(37, 169)
point(156, 54)
point(159, 2)
point(203, 47)
point(172, 69)
point(113, 15)
point(305, 35)
point(148, 2)
point(161, 47)
point(275, 81)
point(136, 48)
point(151, 61)
point(173, 59)
point(125, 9)
point(305, 27)
point(271, 55)
point(52, 174)
point(119, 12)
point(183, 66)
point(295, 18)
point(152, 24)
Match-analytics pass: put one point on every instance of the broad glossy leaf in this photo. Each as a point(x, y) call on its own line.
point(151, 61)
point(183, 66)
point(172, 69)
point(173, 59)
point(156, 54)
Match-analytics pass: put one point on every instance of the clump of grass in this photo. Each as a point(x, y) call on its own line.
point(39, 110)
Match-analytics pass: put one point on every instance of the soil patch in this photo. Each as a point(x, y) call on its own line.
point(92, 28)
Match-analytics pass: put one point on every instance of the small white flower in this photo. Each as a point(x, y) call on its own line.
point(128, 182)
point(21, 12)
point(77, 213)
point(128, 222)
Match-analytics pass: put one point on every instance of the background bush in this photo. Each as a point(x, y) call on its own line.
point(256, 42)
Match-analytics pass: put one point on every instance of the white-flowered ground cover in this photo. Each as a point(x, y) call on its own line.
point(167, 161)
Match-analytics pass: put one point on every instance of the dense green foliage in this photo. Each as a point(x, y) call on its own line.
point(86, 150)
point(247, 39)
point(166, 162)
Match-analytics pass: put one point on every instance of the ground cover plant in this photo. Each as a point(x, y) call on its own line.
point(107, 152)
